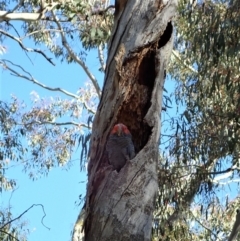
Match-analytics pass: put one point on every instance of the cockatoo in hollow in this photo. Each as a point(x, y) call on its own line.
point(120, 147)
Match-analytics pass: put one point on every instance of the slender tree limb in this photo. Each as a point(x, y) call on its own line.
point(18, 40)
point(16, 7)
point(26, 17)
point(38, 31)
point(76, 58)
point(231, 169)
point(227, 182)
point(221, 172)
point(31, 79)
point(58, 123)
point(177, 56)
point(18, 217)
point(101, 57)
point(9, 201)
point(10, 16)
point(6, 16)
point(20, 164)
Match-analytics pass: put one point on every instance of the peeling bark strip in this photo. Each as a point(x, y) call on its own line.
point(119, 206)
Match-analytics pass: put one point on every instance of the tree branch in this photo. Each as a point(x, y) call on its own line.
point(101, 57)
point(76, 58)
point(26, 17)
point(18, 40)
point(177, 56)
point(6, 16)
point(31, 79)
point(38, 31)
point(58, 123)
point(10, 16)
point(18, 217)
point(17, 6)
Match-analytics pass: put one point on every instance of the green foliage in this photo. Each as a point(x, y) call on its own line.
point(10, 231)
point(42, 137)
point(96, 31)
point(211, 92)
point(83, 20)
point(204, 148)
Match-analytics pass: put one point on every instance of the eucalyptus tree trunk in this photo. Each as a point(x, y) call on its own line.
point(119, 206)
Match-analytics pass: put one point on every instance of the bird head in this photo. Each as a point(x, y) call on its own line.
point(120, 129)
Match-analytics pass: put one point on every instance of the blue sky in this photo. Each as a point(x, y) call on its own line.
point(59, 191)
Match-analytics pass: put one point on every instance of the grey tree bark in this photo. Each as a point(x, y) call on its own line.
point(119, 206)
point(236, 228)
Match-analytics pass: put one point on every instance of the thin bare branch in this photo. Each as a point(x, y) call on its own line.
point(227, 182)
point(18, 217)
point(33, 80)
point(220, 172)
point(17, 6)
point(38, 31)
point(177, 56)
point(58, 123)
point(18, 40)
point(83, 18)
point(76, 58)
point(101, 57)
